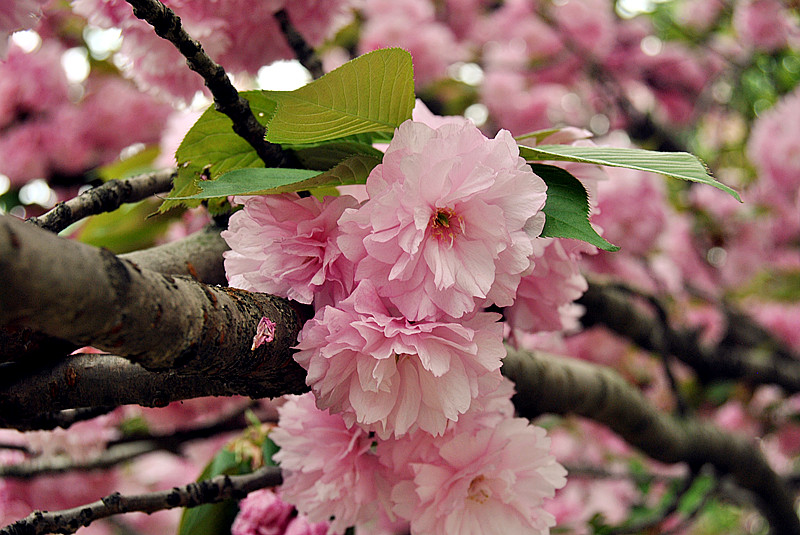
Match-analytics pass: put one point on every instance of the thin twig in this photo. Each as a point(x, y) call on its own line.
point(305, 54)
point(105, 198)
point(226, 99)
point(65, 418)
point(61, 464)
point(212, 490)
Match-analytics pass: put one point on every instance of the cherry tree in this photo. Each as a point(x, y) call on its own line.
point(438, 286)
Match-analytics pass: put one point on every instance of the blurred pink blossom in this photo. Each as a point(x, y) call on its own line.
point(238, 34)
point(764, 24)
point(432, 45)
point(774, 148)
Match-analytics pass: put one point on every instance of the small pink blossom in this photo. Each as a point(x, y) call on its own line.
point(546, 297)
point(329, 471)
point(265, 333)
point(262, 513)
point(300, 525)
point(286, 246)
point(392, 376)
point(422, 237)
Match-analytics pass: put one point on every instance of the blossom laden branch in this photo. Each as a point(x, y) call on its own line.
point(105, 198)
point(208, 491)
point(227, 100)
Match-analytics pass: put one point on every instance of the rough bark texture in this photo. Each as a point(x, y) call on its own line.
point(615, 310)
point(198, 256)
point(159, 321)
point(548, 384)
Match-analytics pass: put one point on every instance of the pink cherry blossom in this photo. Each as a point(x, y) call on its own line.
point(300, 525)
point(286, 246)
point(328, 469)
point(546, 297)
point(422, 237)
point(392, 376)
point(262, 513)
point(491, 481)
point(764, 24)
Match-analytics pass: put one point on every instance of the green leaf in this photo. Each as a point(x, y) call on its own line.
point(215, 518)
point(372, 93)
point(125, 229)
point(567, 208)
point(693, 499)
point(324, 156)
point(138, 163)
point(263, 181)
point(680, 165)
point(212, 148)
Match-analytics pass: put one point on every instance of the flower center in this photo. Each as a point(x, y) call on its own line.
point(445, 223)
point(479, 490)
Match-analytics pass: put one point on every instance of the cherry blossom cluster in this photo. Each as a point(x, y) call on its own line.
point(409, 419)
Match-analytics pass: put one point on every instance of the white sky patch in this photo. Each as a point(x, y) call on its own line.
point(468, 73)
point(630, 8)
point(27, 40)
point(102, 42)
point(651, 45)
point(283, 76)
point(477, 113)
point(75, 62)
point(38, 192)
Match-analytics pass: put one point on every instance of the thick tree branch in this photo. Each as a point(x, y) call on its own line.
point(613, 309)
point(226, 99)
point(159, 321)
point(105, 198)
point(209, 491)
point(548, 384)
